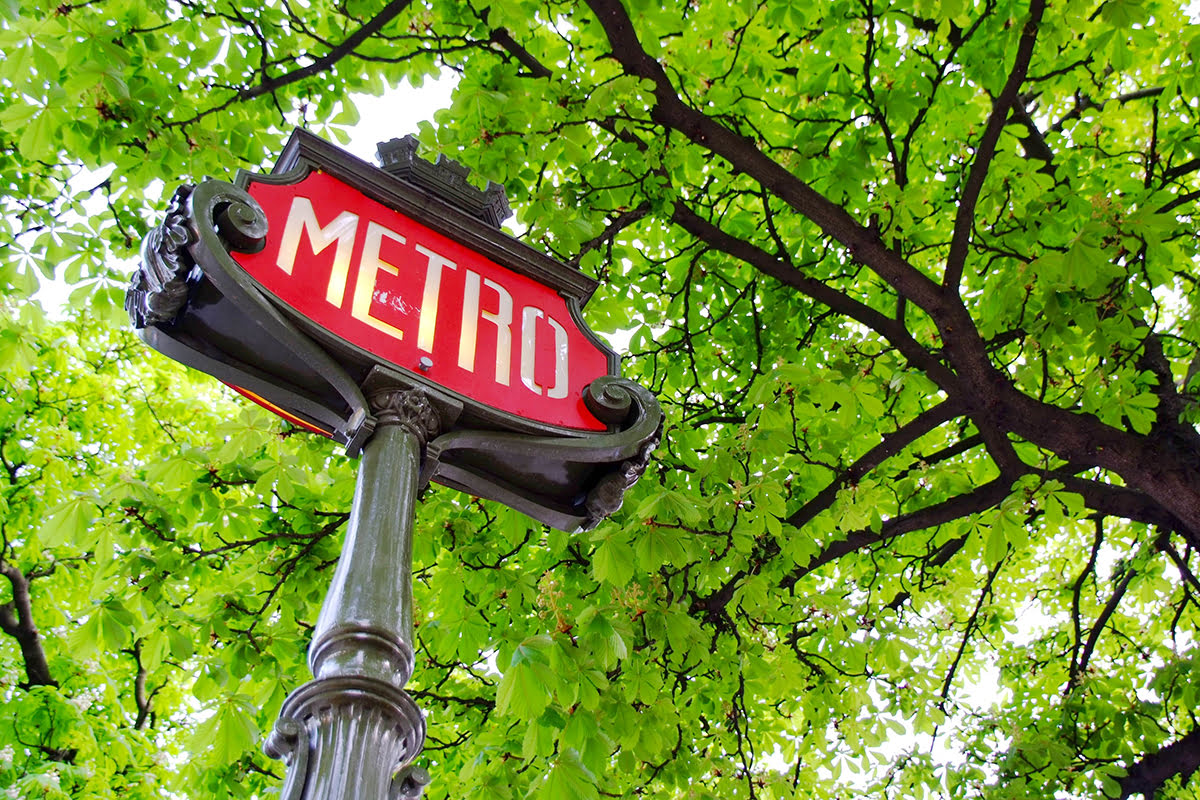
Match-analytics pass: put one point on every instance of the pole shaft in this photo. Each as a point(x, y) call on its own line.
point(346, 733)
point(365, 626)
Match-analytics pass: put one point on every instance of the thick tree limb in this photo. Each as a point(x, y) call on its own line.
point(1171, 404)
point(1116, 501)
point(1166, 475)
point(16, 619)
point(672, 112)
point(889, 328)
point(981, 499)
point(1156, 467)
point(143, 699)
point(537, 69)
point(892, 444)
point(1033, 142)
point(1159, 466)
point(1002, 452)
point(964, 219)
point(1146, 777)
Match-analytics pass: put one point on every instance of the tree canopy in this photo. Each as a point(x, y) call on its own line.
point(917, 284)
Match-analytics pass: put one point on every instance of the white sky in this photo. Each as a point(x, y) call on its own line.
point(397, 113)
point(391, 115)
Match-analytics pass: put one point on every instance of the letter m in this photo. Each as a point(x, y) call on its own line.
point(303, 220)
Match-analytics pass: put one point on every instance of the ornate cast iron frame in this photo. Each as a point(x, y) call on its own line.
point(191, 301)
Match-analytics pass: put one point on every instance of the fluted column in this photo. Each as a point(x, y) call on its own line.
point(348, 733)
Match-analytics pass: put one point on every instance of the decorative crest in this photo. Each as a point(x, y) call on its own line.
point(446, 178)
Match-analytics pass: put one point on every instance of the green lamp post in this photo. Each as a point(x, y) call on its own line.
point(384, 308)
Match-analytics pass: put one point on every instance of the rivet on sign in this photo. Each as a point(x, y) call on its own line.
point(425, 363)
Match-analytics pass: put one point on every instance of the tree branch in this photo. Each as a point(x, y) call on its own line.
point(1034, 142)
point(1179, 170)
point(764, 262)
point(981, 499)
point(269, 85)
point(991, 398)
point(1157, 470)
point(964, 220)
point(537, 69)
point(892, 444)
point(972, 623)
point(1116, 501)
point(369, 29)
point(1179, 200)
point(1185, 572)
point(140, 697)
point(16, 619)
point(1076, 602)
point(1181, 757)
point(1085, 103)
point(606, 236)
point(1110, 608)
point(670, 111)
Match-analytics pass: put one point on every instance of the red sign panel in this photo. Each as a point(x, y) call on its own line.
point(422, 302)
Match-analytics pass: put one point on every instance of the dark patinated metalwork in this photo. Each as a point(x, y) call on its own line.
point(446, 178)
point(228, 327)
point(159, 289)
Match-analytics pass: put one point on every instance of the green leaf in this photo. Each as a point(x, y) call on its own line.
point(657, 545)
point(226, 735)
point(36, 141)
point(69, 522)
point(523, 692)
point(182, 646)
point(997, 543)
point(612, 561)
point(769, 230)
point(1139, 409)
point(568, 779)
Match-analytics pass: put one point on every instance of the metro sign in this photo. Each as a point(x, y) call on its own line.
point(315, 287)
point(422, 302)
point(311, 288)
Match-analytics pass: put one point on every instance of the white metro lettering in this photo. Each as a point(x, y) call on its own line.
point(529, 317)
point(368, 269)
point(502, 319)
point(495, 307)
point(301, 219)
point(427, 327)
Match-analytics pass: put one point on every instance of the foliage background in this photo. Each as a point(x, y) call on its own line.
point(917, 284)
